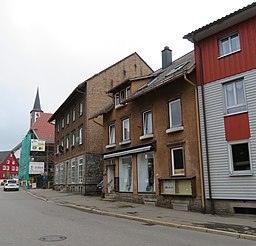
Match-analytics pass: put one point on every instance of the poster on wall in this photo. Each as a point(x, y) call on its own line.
point(36, 167)
point(37, 145)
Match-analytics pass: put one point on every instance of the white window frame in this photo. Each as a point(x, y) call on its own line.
point(112, 134)
point(145, 129)
point(80, 135)
point(73, 114)
point(67, 141)
point(67, 119)
point(80, 170)
point(117, 100)
point(236, 108)
point(124, 122)
point(229, 40)
point(231, 166)
point(173, 164)
point(122, 95)
point(128, 91)
point(73, 138)
point(172, 127)
point(62, 123)
point(73, 171)
point(81, 108)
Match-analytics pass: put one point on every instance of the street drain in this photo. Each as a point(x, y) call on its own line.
point(148, 224)
point(52, 238)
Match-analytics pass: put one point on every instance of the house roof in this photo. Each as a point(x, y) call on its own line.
point(43, 129)
point(104, 110)
point(177, 69)
point(4, 155)
point(82, 85)
point(222, 23)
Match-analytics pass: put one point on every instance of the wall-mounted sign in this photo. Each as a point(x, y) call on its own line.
point(168, 187)
point(36, 167)
point(37, 145)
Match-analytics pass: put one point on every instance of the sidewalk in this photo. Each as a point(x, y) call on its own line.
point(239, 226)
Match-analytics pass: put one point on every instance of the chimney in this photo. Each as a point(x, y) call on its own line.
point(166, 57)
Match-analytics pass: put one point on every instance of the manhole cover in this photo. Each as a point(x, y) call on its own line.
point(52, 238)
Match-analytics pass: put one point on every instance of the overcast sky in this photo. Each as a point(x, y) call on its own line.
point(57, 44)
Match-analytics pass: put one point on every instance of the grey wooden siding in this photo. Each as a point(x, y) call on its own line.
point(223, 185)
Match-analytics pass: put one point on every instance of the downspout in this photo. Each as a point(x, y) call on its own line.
point(212, 209)
point(199, 145)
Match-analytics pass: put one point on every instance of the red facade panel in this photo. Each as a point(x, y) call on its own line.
point(237, 127)
point(214, 67)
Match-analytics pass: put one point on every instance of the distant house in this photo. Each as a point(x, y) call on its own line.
point(37, 149)
point(151, 137)
point(9, 166)
point(225, 52)
point(79, 142)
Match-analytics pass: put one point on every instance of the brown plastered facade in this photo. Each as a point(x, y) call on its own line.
point(157, 102)
point(93, 94)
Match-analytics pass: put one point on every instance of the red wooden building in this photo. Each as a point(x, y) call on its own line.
point(8, 165)
point(225, 52)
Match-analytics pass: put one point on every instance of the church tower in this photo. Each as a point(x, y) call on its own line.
point(35, 112)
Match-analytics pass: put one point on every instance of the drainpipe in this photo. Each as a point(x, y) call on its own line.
point(212, 209)
point(199, 145)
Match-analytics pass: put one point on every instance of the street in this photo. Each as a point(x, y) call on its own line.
point(28, 221)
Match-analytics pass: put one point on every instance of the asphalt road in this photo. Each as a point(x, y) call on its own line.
point(27, 221)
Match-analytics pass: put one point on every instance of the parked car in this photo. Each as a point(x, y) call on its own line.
point(11, 184)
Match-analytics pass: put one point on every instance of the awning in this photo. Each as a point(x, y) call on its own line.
point(128, 152)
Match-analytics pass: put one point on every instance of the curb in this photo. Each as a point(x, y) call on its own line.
point(149, 221)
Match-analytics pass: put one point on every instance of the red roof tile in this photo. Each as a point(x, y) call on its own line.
point(43, 129)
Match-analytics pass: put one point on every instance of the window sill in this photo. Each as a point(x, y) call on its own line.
point(146, 136)
point(231, 53)
point(174, 129)
point(109, 146)
point(240, 112)
point(125, 142)
point(120, 106)
point(241, 173)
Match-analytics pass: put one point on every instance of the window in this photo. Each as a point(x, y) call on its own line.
point(73, 171)
point(58, 127)
point(4, 167)
point(112, 134)
point(117, 99)
point(61, 173)
point(122, 96)
point(234, 96)
point(17, 169)
point(73, 138)
point(229, 44)
point(67, 141)
point(73, 114)
point(128, 92)
point(67, 119)
point(177, 161)
point(57, 148)
point(146, 180)
point(81, 108)
point(56, 174)
point(175, 114)
point(62, 123)
point(239, 156)
point(125, 174)
point(13, 168)
point(80, 170)
point(80, 135)
point(8, 162)
point(126, 129)
point(13, 162)
point(147, 123)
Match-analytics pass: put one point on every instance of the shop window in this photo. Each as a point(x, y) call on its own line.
point(125, 174)
point(146, 178)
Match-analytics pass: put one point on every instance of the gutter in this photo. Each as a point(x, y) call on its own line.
point(199, 145)
point(212, 208)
